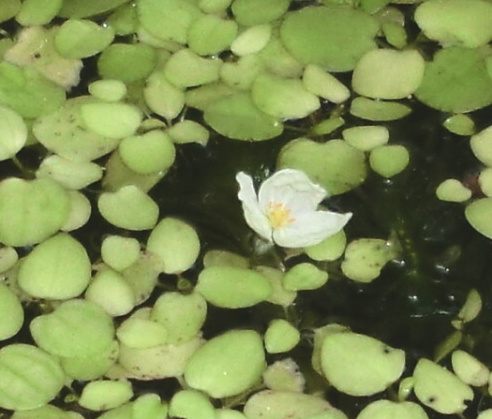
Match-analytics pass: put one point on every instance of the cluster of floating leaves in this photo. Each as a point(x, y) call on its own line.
point(108, 94)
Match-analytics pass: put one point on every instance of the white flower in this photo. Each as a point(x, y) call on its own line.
point(285, 209)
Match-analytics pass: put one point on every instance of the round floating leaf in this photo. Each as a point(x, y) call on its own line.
point(149, 406)
point(105, 394)
point(210, 34)
point(56, 269)
point(256, 12)
point(389, 160)
point(283, 98)
point(29, 377)
point(364, 259)
point(235, 116)
point(460, 124)
point(38, 12)
point(113, 62)
point(453, 190)
point(68, 173)
point(469, 369)
point(388, 74)
point(329, 249)
point(31, 211)
point(359, 365)
point(378, 110)
point(478, 215)
point(481, 145)
point(191, 404)
point(63, 133)
point(181, 315)
point(78, 9)
point(268, 404)
point(456, 81)
point(187, 69)
point(335, 165)
point(284, 375)
point(231, 287)
point(129, 207)
point(112, 292)
point(439, 389)
point(108, 90)
point(27, 92)
point(227, 365)
point(13, 133)
point(302, 30)
point(77, 38)
point(111, 120)
point(304, 276)
point(465, 22)
point(385, 409)
point(119, 252)
point(76, 328)
point(11, 313)
point(161, 361)
point(367, 137)
point(252, 40)
point(141, 333)
point(162, 97)
point(176, 243)
point(323, 84)
point(168, 20)
point(148, 153)
point(188, 131)
point(281, 336)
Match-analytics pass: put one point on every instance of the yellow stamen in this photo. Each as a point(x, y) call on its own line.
point(278, 215)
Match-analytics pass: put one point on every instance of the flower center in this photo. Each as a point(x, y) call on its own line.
point(278, 215)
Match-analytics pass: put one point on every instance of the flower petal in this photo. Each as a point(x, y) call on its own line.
point(310, 228)
point(292, 188)
point(253, 214)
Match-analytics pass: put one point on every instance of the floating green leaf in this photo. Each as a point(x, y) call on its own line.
point(58, 269)
point(31, 211)
point(29, 377)
point(228, 364)
point(461, 22)
point(360, 365)
point(440, 389)
point(335, 165)
point(388, 74)
point(456, 80)
point(113, 62)
point(78, 38)
point(235, 116)
point(302, 30)
point(378, 110)
point(76, 328)
point(231, 287)
point(283, 98)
